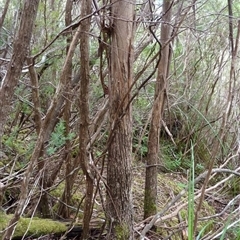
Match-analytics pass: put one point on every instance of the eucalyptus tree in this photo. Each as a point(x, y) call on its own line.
point(119, 176)
point(192, 69)
point(150, 200)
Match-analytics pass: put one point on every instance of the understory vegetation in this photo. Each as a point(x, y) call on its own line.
point(198, 159)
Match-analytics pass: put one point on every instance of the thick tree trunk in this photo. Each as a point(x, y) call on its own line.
point(150, 199)
point(119, 178)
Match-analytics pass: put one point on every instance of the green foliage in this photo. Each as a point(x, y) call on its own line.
point(26, 108)
point(9, 141)
point(196, 89)
point(236, 232)
point(172, 157)
point(48, 91)
point(233, 186)
point(142, 149)
point(58, 138)
point(17, 145)
point(141, 107)
point(204, 228)
point(231, 230)
point(225, 230)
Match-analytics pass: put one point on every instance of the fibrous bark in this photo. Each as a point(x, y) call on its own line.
point(84, 115)
point(119, 178)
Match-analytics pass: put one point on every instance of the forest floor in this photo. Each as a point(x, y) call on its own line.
point(173, 222)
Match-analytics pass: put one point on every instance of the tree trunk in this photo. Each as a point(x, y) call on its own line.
point(119, 178)
point(63, 209)
point(84, 115)
point(150, 198)
point(4, 12)
point(20, 51)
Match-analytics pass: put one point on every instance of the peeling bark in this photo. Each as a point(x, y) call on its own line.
point(119, 177)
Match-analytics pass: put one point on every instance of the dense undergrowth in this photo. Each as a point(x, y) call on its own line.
point(198, 161)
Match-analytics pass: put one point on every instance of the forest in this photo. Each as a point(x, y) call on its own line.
point(119, 119)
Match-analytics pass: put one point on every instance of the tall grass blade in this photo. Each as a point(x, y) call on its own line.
point(191, 197)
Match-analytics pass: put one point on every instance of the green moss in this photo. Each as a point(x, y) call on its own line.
point(35, 226)
point(122, 231)
point(58, 191)
point(76, 197)
point(3, 220)
point(150, 207)
point(166, 181)
point(165, 231)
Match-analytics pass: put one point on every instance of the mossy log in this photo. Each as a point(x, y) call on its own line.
point(32, 228)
